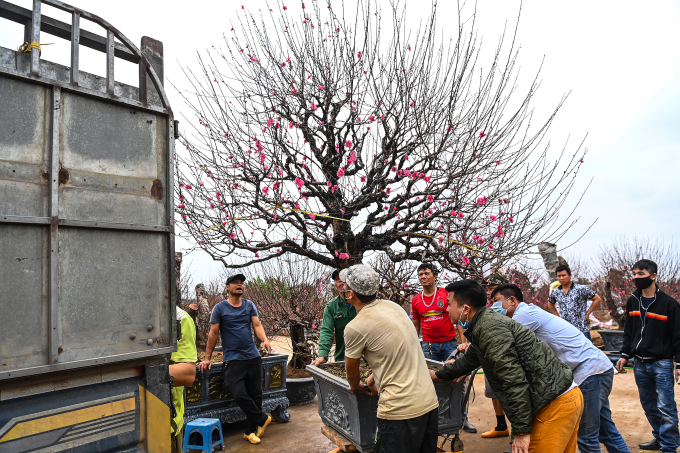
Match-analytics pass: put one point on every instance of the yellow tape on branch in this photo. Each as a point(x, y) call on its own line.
point(343, 220)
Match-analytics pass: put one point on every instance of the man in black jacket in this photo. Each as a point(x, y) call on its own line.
point(652, 335)
point(536, 390)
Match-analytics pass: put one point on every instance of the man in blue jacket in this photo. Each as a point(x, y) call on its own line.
point(652, 336)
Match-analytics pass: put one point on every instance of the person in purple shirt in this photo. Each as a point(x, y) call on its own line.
point(232, 319)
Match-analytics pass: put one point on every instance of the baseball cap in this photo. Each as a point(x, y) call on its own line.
point(362, 279)
point(231, 278)
point(495, 279)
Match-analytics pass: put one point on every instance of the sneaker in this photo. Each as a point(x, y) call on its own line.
point(252, 438)
point(260, 429)
point(494, 433)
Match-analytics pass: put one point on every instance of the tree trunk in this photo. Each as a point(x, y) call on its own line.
point(203, 318)
point(301, 353)
point(620, 318)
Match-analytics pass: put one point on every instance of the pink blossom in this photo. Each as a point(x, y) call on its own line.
point(285, 8)
point(299, 183)
point(465, 260)
point(482, 134)
point(313, 107)
point(430, 198)
point(428, 179)
point(337, 253)
point(180, 205)
point(498, 162)
point(461, 215)
point(481, 201)
point(511, 219)
point(259, 146)
point(334, 188)
point(394, 168)
point(344, 256)
point(263, 156)
point(329, 184)
point(387, 191)
point(348, 144)
point(407, 172)
point(232, 235)
point(409, 47)
point(363, 179)
point(312, 216)
point(371, 118)
point(321, 88)
point(278, 250)
point(493, 218)
point(359, 54)
point(341, 172)
point(265, 190)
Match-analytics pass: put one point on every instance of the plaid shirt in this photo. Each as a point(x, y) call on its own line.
point(573, 306)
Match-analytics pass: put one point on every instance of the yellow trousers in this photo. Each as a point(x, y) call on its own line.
point(555, 427)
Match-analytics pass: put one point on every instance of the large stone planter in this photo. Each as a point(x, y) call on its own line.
point(300, 390)
point(613, 342)
point(209, 397)
point(355, 414)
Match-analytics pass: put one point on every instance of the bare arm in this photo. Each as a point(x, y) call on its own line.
point(259, 331)
point(553, 309)
point(416, 324)
point(183, 374)
point(594, 306)
point(461, 334)
point(210, 346)
point(353, 378)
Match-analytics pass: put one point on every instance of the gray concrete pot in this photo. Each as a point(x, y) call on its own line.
point(355, 414)
point(300, 390)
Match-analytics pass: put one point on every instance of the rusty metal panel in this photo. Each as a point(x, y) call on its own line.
point(24, 123)
point(115, 157)
point(112, 289)
point(23, 296)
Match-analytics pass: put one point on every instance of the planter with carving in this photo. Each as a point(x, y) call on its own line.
point(300, 390)
point(613, 342)
point(355, 414)
point(208, 397)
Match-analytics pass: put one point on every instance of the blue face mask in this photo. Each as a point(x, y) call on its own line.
point(466, 324)
point(498, 308)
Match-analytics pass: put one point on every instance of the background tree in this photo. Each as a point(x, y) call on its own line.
point(615, 270)
point(330, 136)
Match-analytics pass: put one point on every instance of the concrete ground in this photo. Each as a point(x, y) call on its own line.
point(303, 433)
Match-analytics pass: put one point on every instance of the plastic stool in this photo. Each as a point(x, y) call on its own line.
point(200, 434)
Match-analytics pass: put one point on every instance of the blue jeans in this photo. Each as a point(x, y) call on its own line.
point(588, 336)
point(596, 422)
point(655, 382)
point(439, 351)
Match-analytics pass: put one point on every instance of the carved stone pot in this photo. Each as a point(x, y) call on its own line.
point(355, 414)
point(613, 342)
point(300, 390)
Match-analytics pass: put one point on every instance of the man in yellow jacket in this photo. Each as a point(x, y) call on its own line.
point(183, 371)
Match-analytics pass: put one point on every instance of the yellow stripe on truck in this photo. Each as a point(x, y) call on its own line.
point(44, 424)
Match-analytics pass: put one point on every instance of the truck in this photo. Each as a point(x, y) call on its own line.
point(87, 273)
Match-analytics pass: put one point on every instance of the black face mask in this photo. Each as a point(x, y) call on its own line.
point(643, 282)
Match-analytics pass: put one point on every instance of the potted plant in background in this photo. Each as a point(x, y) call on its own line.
point(290, 296)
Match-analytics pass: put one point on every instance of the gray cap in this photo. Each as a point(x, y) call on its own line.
point(343, 275)
point(361, 279)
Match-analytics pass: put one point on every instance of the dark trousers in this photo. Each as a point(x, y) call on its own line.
point(413, 435)
point(244, 381)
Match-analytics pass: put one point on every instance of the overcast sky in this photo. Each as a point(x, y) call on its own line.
point(618, 60)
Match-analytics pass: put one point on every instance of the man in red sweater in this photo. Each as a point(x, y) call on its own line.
point(431, 318)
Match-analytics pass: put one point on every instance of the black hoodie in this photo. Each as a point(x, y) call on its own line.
point(652, 334)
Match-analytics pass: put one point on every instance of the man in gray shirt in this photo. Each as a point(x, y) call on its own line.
point(593, 372)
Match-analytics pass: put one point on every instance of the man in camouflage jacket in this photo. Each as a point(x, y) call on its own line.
point(536, 390)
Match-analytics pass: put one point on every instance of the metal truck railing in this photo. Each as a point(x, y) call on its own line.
point(87, 275)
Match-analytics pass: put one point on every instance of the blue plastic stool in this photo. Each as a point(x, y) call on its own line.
point(203, 434)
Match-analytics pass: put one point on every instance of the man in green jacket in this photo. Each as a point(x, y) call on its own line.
point(336, 316)
point(536, 390)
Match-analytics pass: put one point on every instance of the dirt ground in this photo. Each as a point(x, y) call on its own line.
point(303, 433)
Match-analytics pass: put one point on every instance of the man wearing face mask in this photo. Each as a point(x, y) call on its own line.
point(593, 371)
point(383, 334)
point(536, 390)
point(336, 315)
point(652, 335)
